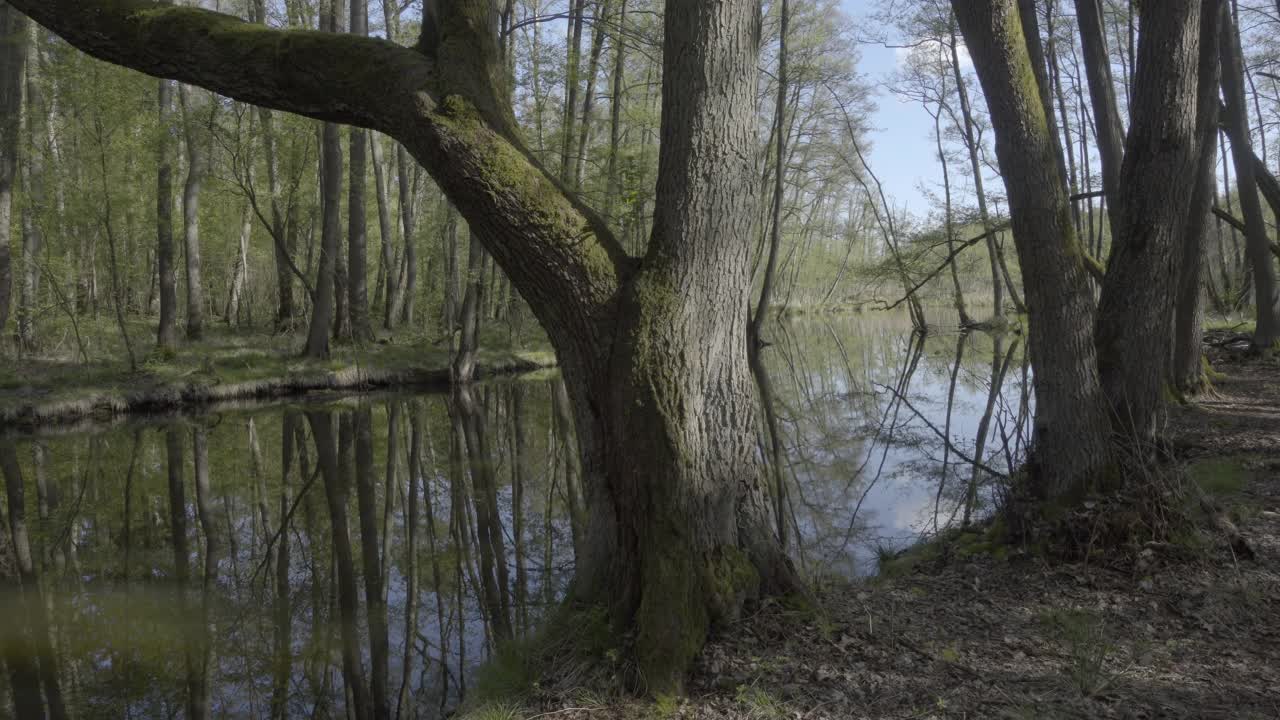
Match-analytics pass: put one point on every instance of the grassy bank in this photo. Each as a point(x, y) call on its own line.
point(57, 388)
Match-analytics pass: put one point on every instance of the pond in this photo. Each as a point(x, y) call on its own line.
point(243, 563)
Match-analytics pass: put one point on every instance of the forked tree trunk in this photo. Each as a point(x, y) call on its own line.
point(1071, 432)
point(1135, 313)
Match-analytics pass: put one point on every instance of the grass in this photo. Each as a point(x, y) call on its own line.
point(230, 359)
point(1219, 476)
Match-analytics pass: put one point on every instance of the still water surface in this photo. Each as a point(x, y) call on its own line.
point(240, 564)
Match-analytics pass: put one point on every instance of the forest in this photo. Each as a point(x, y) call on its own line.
point(760, 359)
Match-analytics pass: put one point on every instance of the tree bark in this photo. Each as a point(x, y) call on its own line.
point(1135, 312)
point(1071, 431)
point(1102, 94)
point(13, 54)
point(167, 332)
point(1257, 247)
point(194, 138)
point(39, 118)
point(357, 225)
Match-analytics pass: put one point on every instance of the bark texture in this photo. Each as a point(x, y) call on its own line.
point(1102, 95)
point(1071, 425)
point(1135, 313)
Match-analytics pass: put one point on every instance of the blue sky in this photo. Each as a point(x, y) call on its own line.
point(903, 152)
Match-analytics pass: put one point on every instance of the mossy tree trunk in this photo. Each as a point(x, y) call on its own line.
point(653, 349)
point(1072, 428)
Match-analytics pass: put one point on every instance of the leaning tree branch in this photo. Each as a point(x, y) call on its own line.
point(449, 114)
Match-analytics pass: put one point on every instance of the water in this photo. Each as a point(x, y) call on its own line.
point(194, 565)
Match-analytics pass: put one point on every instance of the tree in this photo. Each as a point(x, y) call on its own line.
point(1102, 93)
point(1071, 432)
point(167, 332)
point(1236, 120)
point(1135, 312)
point(678, 523)
point(357, 231)
point(13, 53)
point(194, 138)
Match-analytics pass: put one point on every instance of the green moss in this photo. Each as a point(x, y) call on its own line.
point(1219, 476)
point(665, 707)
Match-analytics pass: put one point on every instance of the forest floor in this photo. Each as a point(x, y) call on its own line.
point(1177, 630)
point(62, 386)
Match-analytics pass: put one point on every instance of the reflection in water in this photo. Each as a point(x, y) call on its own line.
point(360, 558)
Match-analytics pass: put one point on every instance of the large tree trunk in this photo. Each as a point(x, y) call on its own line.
point(1135, 313)
point(167, 332)
point(1071, 427)
point(13, 53)
point(654, 352)
point(1236, 119)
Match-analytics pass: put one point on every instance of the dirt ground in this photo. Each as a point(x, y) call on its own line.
point(1177, 630)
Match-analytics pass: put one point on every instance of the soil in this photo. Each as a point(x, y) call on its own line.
point(1171, 630)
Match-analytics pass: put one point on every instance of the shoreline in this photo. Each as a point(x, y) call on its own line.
point(98, 404)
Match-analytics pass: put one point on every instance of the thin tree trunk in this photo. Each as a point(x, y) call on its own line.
point(167, 332)
point(779, 180)
point(975, 167)
point(387, 275)
point(194, 139)
point(371, 561)
point(601, 9)
point(1106, 113)
point(613, 182)
point(357, 226)
point(13, 54)
point(39, 119)
point(572, 66)
point(1257, 246)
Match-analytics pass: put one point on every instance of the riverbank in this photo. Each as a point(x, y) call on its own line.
point(1178, 630)
point(226, 367)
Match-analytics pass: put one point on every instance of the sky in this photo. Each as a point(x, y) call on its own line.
point(903, 153)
